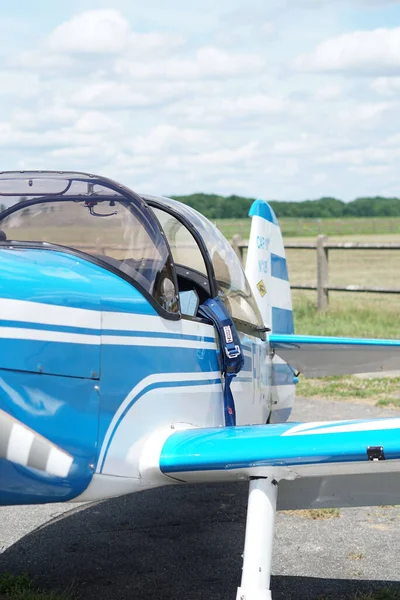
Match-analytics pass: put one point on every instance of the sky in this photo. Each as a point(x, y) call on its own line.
point(278, 99)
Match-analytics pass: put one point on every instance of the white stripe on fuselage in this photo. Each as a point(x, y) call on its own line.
point(154, 324)
point(18, 333)
point(48, 314)
point(157, 342)
point(22, 311)
point(144, 383)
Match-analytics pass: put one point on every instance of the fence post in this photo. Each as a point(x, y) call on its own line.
point(236, 241)
point(99, 247)
point(322, 274)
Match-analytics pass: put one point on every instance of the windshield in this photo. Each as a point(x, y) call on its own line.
point(112, 229)
point(232, 284)
point(184, 248)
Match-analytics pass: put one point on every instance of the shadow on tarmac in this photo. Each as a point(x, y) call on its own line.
point(161, 544)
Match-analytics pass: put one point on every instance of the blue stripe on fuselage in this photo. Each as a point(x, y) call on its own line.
point(53, 358)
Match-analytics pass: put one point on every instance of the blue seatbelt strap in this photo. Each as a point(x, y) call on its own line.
point(231, 353)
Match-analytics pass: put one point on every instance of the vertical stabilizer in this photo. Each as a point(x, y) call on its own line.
point(266, 269)
point(267, 272)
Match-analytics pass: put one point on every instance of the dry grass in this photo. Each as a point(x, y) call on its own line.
point(350, 314)
point(356, 556)
point(315, 514)
point(383, 391)
point(376, 268)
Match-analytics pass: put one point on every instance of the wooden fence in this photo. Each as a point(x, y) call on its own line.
point(322, 248)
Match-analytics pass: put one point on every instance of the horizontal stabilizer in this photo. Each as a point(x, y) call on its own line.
point(284, 451)
point(319, 356)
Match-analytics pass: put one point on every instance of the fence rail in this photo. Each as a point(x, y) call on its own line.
point(322, 248)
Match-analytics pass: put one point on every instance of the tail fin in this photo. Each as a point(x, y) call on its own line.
point(267, 272)
point(266, 269)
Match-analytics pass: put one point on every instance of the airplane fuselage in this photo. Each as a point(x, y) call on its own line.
point(86, 362)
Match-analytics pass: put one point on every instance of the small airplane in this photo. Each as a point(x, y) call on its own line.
point(135, 352)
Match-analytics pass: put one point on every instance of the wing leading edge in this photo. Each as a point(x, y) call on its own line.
point(319, 356)
point(284, 451)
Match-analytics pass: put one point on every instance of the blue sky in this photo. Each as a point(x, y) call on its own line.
point(285, 99)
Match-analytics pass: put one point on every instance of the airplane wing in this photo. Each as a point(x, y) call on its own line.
point(319, 356)
point(341, 463)
point(284, 451)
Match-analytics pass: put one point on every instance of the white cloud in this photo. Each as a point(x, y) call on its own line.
point(117, 94)
point(108, 94)
point(95, 121)
point(208, 62)
point(18, 83)
point(370, 170)
point(41, 59)
point(47, 118)
point(167, 138)
point(328, 92)
point(153, 43)
point(386, 86)
point(367, 115)
point(306, 144)
point(362, 157)
point(226, 156)
point(212, 109)
point(124, 94)
point(362, 52)
point(93, 32)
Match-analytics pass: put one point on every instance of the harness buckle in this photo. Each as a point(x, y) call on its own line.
point(234, 353)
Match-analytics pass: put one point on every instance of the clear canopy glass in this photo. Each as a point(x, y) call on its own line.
point(232, 284)
point(104, 219)
point(90, 217)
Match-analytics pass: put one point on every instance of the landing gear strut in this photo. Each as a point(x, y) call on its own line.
point(260, 524)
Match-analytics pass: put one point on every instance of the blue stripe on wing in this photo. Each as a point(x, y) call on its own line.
point(278, 339)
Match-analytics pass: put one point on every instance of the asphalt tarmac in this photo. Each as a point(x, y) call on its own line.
point(186, 542)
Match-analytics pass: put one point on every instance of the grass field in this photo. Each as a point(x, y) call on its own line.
point(350, 314)
point(312, 227)
point(21, 587)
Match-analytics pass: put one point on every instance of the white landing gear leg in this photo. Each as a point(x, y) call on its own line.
point(259, 538)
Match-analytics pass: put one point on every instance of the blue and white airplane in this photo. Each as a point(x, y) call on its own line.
point(135, 352)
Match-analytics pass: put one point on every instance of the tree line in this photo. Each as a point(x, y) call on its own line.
point(237, 207)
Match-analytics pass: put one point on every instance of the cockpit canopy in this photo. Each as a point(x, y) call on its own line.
point(163, 247)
